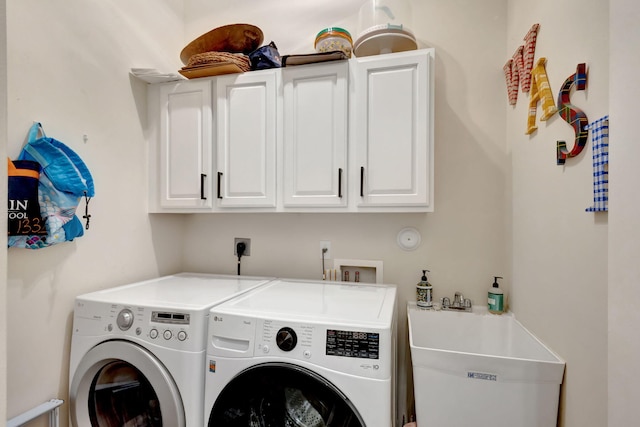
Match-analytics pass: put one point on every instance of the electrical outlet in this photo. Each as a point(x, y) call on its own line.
point(325, 244)
point(247, 243)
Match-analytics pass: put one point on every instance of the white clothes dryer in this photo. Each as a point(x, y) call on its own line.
point(303, 353)
point(138, 351)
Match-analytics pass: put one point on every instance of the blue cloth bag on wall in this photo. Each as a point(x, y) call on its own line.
point(64, 180)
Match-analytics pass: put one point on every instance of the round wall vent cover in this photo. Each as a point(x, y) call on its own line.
point(409, 238)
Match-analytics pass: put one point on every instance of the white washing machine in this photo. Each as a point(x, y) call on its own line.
point(138, 351)
point(302, 353)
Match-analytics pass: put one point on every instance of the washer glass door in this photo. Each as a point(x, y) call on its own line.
point(282, 395)
point(118, 384)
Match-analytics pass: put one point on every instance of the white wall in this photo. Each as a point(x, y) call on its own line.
point(559, 250)
point(464, 240)
point(68, 65)
point(624, 229)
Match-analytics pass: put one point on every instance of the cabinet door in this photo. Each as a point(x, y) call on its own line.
point(315, 135)
point(246, 143)
point(393, 130)
point(185, 145)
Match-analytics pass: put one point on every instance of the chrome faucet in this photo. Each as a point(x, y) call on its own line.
point(458, 299)
point(460, 303)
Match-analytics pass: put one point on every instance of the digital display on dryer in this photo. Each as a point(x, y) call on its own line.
point(365, 345)
point(169, 317)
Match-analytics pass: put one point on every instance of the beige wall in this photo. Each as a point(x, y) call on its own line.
point(3, 208)
point(68, 67)
point(559, 250)
point(624, 230)
point(464, 240)
point(76, 56)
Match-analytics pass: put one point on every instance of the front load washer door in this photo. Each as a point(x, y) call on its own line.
point(119, 383)
point(282, 395)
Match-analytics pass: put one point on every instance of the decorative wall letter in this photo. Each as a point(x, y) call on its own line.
point(600, 142)
point(572, 115)
point(511, 76)
point(527, 57)
point(517, 70)
point(540, 91)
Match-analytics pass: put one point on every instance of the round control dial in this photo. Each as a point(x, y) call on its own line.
point(125, 319)
point(286, 339)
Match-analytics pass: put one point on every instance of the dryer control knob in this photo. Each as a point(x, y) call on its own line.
point(125, 319)
point(153, 333)
point(182, 335)
point(286, 339)
point(167, 334)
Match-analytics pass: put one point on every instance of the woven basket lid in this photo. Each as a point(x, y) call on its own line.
point(235, 38)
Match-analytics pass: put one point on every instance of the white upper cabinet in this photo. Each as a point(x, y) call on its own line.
point(315, 135)
point(184, 158)
point(246, 140)
point(393, 130)
point(342, 136)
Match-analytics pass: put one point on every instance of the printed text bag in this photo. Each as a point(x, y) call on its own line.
point(64, 180)
point(23, 207)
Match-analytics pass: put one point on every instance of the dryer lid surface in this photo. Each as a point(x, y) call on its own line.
point(324, 302)
point(180, 291)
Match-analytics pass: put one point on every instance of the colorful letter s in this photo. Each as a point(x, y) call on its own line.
point(572, 115)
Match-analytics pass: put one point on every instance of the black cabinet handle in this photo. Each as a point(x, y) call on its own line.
point(340, 182)
point(219, 183)
point(362, 181)
point(203, 176)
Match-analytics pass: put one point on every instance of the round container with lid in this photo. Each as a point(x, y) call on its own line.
point(334, 39)
point(382, 28)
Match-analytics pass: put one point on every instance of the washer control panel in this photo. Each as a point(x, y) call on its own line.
point(125, 319)
point(166, 328)
point(286, 339)
point(365, 345)
point(294, 340)
point(362, 351)
point(167, 319)
point(170, 317)
point(168, 334)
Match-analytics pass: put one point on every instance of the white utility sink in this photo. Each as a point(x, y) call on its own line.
point(480, 369)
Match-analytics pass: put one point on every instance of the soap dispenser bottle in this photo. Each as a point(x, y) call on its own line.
point(496, 297)
point(424, 295)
